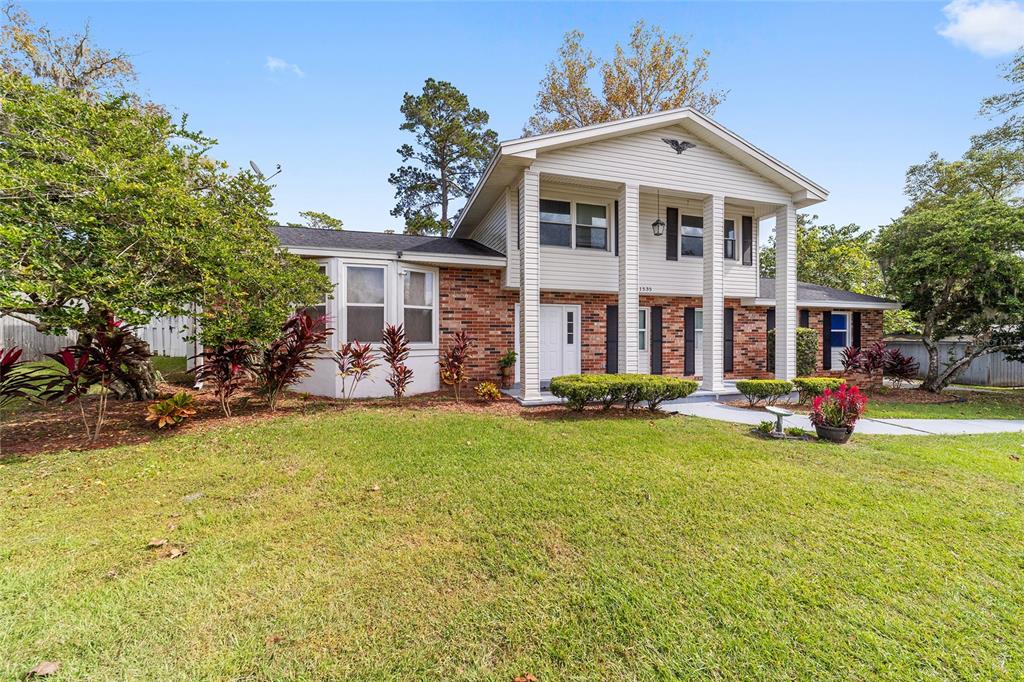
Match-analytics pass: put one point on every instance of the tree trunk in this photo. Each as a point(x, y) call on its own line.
point(141, 379)
point(931, 378)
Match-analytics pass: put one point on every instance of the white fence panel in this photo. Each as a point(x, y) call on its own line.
point(165, 336)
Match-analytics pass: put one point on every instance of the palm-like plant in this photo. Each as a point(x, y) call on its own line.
point(396, 351)
point(453, 362)
point(228, 367)
point(18, 380)
point(355, 361)
point(290, 356)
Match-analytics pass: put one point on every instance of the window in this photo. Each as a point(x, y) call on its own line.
point(840, 329)
point(730, 239)
point(691, 235)
point(418, 306)
point(555, 223)
point(591, 227)
point(570, 328)
point(364, 303)
point(643, 329)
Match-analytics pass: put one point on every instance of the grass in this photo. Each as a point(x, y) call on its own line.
point(976, 405)
point(402, 544)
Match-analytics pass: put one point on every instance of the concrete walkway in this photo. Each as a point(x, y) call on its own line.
point(890, 427)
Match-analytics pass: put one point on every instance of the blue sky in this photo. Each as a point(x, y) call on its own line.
point(848, 94)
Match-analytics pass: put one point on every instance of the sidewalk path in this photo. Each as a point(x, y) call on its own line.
point(890, 427)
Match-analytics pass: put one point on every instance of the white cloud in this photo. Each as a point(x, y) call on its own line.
point(276, 65)
point(989, 27)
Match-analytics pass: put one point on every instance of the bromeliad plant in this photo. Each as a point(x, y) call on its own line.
point(396, 351)
point(290, 356)
point(355, 362)
point(453, 363)
point(840, 408)
point(228, 367)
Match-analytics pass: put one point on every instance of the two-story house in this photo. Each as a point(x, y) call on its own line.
point(629, 246)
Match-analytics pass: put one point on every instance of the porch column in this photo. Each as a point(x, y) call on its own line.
point(529, 286)
point(785, 292)
point(629, 279)
point(714, 293)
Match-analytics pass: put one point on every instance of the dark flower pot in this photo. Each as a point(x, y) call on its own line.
point(834, 434)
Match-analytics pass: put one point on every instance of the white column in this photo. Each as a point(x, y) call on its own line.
point(529, 287)
point(785, 293)
point(714, 293)
point(629, 279)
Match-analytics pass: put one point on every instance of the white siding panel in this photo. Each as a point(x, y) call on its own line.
point(643, 158)
point(491, 231)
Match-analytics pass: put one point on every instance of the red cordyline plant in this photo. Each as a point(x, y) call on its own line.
point(396, 351)
point(840, 408)
point(18, 380)
point(891, 362)
point(453, 362)
point(72, 385)
point(228, 368)
point(355, 362)
point(290, 356)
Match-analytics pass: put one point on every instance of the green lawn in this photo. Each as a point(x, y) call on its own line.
point(438, 545)
point(978, 405)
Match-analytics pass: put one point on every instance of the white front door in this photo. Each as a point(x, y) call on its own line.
point(559, 340)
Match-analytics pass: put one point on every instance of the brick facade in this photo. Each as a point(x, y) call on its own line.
point(473, 300)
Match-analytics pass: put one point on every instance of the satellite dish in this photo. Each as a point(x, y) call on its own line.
point(256, 169)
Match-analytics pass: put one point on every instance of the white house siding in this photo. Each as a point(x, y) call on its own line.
point(512, 237)
point(491, 231)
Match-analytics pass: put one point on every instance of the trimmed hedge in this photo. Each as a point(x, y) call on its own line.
point(806, 350)
point(580, 390)
point(770, 390)
point(811, 387)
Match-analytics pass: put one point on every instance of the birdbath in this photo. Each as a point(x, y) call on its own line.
point(780, 414)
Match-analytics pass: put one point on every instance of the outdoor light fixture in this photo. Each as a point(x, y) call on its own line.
point(658, 225)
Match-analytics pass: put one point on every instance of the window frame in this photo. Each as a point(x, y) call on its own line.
point(344, 302)
point(683, 237)
point(845, 331)
point(735, 240)
point(574, 225)
point(643, 324)
point(433, 308)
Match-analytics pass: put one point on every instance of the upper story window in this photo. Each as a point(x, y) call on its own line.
point(573, 225)
point(691, 235)
point(730, 239)
point(364, 303)
point(418, 306)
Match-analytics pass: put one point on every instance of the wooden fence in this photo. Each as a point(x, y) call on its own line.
point(165, 336)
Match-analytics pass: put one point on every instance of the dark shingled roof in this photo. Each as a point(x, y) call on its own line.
point(380, 241)
point(816, 292)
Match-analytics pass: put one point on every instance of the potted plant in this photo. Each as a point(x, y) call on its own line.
point(508, 364)
point(836, 412)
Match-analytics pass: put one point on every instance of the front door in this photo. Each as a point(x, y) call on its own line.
point(559, 346)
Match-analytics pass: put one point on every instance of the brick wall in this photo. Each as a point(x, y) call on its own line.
point(870, 333)
point(472, 300)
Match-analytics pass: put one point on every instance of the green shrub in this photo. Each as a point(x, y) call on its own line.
point(806, 350)
point(770, 390)
point(579, 390)
point(766, 427)
point(811, 387)
point(797, 432)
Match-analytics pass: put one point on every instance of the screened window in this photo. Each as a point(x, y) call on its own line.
point(555, 223)
point(840, 330)
point(364, 303)
point(418, 306)
point(691, 235)
point(591, 227)
point(730, 239)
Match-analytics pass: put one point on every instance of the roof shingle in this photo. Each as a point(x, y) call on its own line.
point(380, 241)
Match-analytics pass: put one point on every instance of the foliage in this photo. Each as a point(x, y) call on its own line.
point(652, 73)
point(453, 362)
point(453, 146)
point(355, 361)
point(901, 368)
point(508, 360)
point(766, 427)
point(957, 267)
point(228, 367)
point(289, 358)
point(806, 350)
point(579, 390)
point(810, 387)
point(112, 209)
point(995, 174)
point(878, 358)
point(1009, 133)
point(172, 411)
point(770, 390)
point(840, 408)
point(72, 384)
point(487, 390)
point(317, 220)
point(72, 63)
point(395, 349)
point(797, 432)
point(18, 380)
point(117, 354)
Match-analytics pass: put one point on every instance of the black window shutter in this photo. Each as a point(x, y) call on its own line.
point(611, 342)
point(748, 240)
point(805, 318)
point(672, 234)
point(656, 339)
point(770, 357)
point(728, 345)
point(688, 341)
point(826, 340)
point(616, 236)
point(856, 329)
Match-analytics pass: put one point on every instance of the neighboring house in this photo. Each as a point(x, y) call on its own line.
point(629, 246)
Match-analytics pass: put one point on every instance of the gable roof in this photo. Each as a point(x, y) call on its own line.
point(352, 240)
point(514, 155)
point(809, 294)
